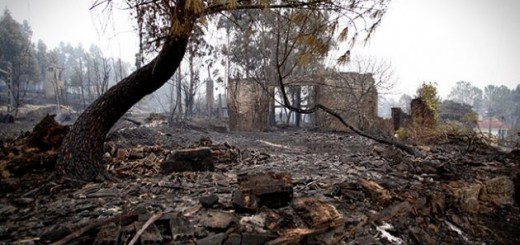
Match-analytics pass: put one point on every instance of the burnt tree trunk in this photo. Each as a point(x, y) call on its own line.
point(298, 104)
point(82, 149)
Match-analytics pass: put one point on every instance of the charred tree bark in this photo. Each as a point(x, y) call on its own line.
point(298, 104)
point(179, 93)
point(82, 149)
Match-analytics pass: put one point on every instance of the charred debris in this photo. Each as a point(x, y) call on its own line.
point(194, 185)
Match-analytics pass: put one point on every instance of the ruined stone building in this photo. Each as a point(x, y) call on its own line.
point(255, 105)
point(249, 105)
point(53, 82)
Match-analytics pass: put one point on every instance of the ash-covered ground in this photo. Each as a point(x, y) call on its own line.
point(278, 187)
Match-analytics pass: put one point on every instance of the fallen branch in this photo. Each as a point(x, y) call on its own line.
point(273, 144)
point(286, 103)
point(76, 234)
point(408, 149)
point(148, 223)
point(132, 121)
point(39, 188)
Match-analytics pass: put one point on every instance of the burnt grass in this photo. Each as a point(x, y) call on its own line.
point(449, 196)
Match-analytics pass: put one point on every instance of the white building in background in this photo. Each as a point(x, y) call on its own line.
point(493, 126)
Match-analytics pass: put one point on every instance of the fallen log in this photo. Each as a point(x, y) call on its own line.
point(196, 159)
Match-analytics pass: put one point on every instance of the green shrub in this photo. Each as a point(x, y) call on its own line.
point(402, 134)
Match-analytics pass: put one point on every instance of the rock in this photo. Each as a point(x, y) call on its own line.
point(212, 240)
point(218, 220)
point(469, 201)
point(233, 239)
point(499, 191)
point(196, 159)
point(499, 185)
point(254, 222)
point(208, 201)
point(466, 196)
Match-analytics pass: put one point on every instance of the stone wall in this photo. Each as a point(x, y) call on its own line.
point(248, 106)
point(352, 95)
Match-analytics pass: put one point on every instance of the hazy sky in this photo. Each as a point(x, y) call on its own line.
point(442, 41)
point(71, 21)
point(446, 41)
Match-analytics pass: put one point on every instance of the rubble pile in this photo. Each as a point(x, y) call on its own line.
point(295, 187)
point(32, 150)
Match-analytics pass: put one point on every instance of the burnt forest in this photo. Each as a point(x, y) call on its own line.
point(258, 122)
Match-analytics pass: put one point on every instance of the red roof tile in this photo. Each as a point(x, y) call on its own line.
point(495, 123)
